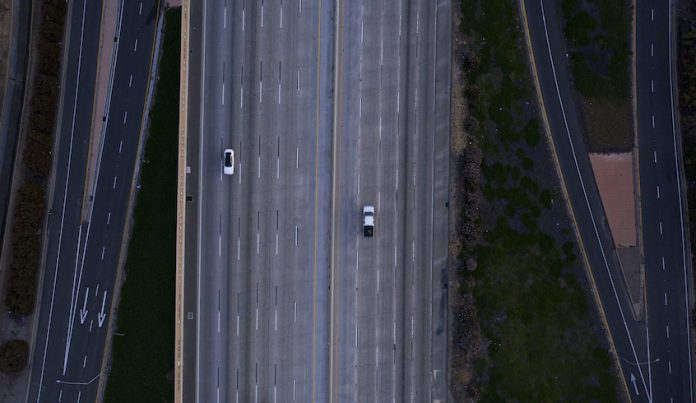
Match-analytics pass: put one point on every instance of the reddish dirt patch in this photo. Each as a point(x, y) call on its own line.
point(614, 176)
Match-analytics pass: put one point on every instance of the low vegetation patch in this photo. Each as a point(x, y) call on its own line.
point(524, 328)
point(597, 33)
point(31, 196)
point(143, 352)
point(13, 356)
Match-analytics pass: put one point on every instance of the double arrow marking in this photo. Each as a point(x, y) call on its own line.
point(101, 316)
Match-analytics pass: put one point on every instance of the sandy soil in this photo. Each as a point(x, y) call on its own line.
point(614, 176)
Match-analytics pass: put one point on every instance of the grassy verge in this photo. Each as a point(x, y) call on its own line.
point(143, 353)
point(526, 330)
point(597, 32)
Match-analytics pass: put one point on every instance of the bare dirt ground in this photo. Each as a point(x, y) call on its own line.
point(614, 176)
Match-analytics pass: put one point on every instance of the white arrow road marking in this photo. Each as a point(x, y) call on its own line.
point(633, 381)
point(83, 311)
point(102, 315)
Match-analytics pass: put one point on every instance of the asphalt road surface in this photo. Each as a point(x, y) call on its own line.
point(392, 130)
point(262, 329)
point(84, 242)
point(266, 236)
point(664, 214)
point(654, 351)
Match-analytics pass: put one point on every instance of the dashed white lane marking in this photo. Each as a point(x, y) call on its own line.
point(257, 318)
point(295, 235)
point(223, 93)
point(103, 250)
point(663, 262)
point(140, 9)
point(238, 247)
point(108, 218)
point(261, 15)
point(667, 329)
point(237, 324)
point(224, 18)
point(652, 14)
point(653, 121)
point(294, 315)
point(276, 246)
point(243, 20)
point(219, 245)
point(298, 80)
point(281, 17)
point(125, 117)
point(120, 146)
point(130, 81)
point(652, 86)
point(114, 186)
point(135, 47)
point(60, 395)
point(257, 242)
point(655, 156)
point(658, 191)
point(218, 321)
point(660, 227)
point(275, 313)
point(297, 157)
point(669, 366)
point(260, 91)
point(84, 362)
point(652, 47)
point(665, 299)
point(241, 98)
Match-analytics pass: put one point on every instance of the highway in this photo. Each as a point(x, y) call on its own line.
point(662, 183)
point(653, 351)
point(392, 131)
point(262, 328)
point(84, 241)
point(279, 300)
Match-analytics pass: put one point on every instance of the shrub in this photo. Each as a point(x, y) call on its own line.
point(13, 356)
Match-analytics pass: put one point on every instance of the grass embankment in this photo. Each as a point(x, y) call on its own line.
point(527, 329)
point(597, 32)
point(143, 355)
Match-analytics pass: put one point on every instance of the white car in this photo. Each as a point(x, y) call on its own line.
point(228, 161)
